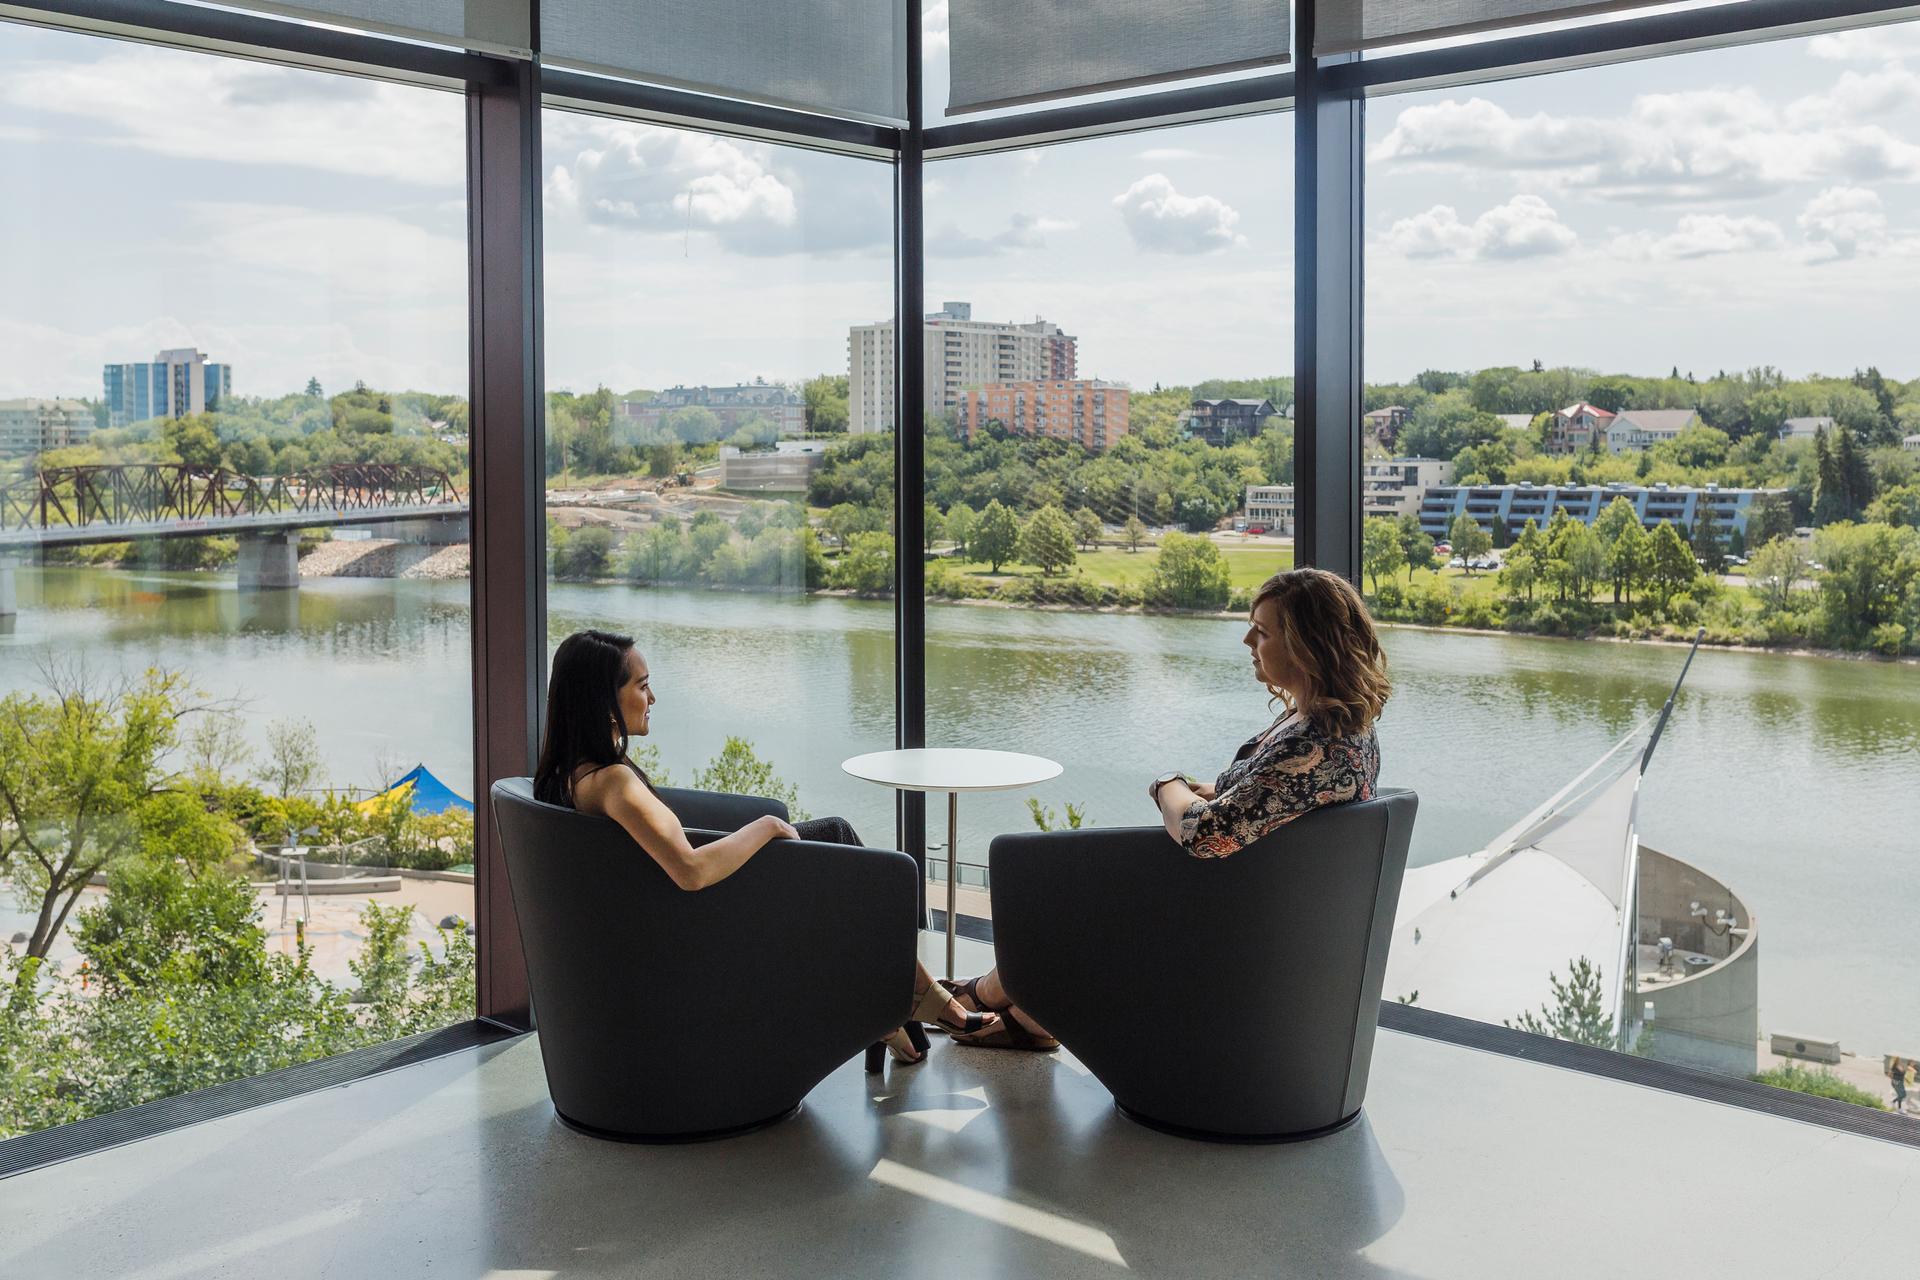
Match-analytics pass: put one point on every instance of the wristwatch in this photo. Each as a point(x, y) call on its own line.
point(1164, 779)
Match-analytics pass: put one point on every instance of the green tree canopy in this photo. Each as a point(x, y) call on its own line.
point(1046, 541)
point(1189, 573)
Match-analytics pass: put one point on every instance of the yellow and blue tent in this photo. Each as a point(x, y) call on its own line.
point(429, 794)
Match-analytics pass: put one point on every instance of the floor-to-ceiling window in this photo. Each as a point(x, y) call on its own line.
point(719, 483)
point(1639, 363)
point(1109, 458)
point(233, 533)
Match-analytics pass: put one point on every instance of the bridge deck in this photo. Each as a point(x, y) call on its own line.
point(263, 522)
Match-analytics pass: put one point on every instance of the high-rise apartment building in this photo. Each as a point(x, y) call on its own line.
point(33, 426)
point(1091, 414)
point(961, 353)
point(171, 385)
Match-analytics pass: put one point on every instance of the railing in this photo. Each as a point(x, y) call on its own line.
point(145, 493)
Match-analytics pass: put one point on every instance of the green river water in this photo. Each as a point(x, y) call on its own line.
point(1794, 779)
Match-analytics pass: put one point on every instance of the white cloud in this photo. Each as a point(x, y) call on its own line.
point(1855, 94)
point(364, 256)
point(1023, 231)
point(751, 198)
point(1666, 147)
point(933, 28)
point(1868, 44)
point(1701, 235)
point(1844, 221)
point(190, 106)
point(1524, 227)
point(1161, 220)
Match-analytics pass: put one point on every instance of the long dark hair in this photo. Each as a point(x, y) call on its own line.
point(583, 707)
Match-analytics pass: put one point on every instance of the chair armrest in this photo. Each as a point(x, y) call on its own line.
point(718, 810)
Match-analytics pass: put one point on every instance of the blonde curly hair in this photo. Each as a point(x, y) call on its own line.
point(1330, 643)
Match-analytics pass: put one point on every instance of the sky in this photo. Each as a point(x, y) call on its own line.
point(1739, 207)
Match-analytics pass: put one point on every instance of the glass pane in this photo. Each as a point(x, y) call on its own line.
point(700, 291)
point(1639, 357)
point(1109, 395)
point(233, 469)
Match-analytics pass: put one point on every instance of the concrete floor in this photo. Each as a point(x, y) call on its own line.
point(978, 1164)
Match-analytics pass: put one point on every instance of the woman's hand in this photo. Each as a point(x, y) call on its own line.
point(774, 828)
point(1204, 790)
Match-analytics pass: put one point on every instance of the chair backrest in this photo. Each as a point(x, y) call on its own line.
point(1232, 995)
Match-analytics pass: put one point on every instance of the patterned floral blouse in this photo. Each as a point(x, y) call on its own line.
point(1291, 769)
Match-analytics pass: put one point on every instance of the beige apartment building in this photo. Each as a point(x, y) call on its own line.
point(32, 426)
point(1271, 506)
point(1394, 488)
point(1089, 413)
point(961, 353)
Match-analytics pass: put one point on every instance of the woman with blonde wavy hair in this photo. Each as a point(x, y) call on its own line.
point(1314, 647)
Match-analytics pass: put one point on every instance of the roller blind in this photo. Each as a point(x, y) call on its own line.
point(838, 57)
point(495, 26)
point(1006, 52)
point(1346, 25)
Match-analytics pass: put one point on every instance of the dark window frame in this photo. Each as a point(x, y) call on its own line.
point(505, 97)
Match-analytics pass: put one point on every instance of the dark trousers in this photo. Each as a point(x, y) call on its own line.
point(829, 831)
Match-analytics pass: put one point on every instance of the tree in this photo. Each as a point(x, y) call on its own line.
point(1087, 528)
point(1135, 533)
point(1047, 540)
point(1670, 563)
point(739, 771)
point(1628, 557)
point(1775, 571)
point(293, 761)
point(826, 403)
point(1469, 540)
point(1416, 544)
point(1869, 570)
point(1829, 485)
point(81, 785)
point(1381, 553)
point(931, 525)
point(847, 519)
point(313, 389)
point(1578, 1010)
point(1189, 573)
point(1899, 505)
point(585, 553)
point(1706, 537)
point(217, 745)
point(1770, 517)
point(866, 566)
point(997, 536)
point(960, 524)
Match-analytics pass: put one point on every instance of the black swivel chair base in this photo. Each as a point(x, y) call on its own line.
point(1236, 1139)
point(676, 1139)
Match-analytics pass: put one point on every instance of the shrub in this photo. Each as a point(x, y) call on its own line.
point(1821, 1084)
point(1888, 638)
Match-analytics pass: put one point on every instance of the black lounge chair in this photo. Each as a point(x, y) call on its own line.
point(1233, 999)
point(669, 1016)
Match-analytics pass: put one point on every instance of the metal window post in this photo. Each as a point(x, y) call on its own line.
point(1328, 292)
point(507, 434)
point(909, 453)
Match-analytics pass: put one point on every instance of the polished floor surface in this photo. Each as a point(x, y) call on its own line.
point(978, 1164)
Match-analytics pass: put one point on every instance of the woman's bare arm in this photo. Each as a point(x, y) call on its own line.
point(623, 797)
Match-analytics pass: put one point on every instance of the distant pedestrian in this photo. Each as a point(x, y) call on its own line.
point(1913, 1068)
point(1897, 1072)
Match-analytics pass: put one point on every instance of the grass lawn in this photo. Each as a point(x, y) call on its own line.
point(1111, 566)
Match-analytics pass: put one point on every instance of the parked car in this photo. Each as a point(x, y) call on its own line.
point(1483, 562)
point(1256, 528)
point(1443, 548)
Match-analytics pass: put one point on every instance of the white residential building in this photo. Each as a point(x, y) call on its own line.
point(31, 426)
point(1270, 505)
point(1394, 488)
point(961, 353)
point(1637, 430)
point(1910, 443)
point(1804, 428)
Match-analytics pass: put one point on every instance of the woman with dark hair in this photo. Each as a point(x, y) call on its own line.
point(1315, 650)
point(599, 697)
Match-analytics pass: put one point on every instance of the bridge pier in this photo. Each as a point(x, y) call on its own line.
point(270, 561)
point(433, 531)
point(9, 597)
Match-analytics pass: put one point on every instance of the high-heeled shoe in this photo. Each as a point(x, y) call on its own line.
point(930, 1006)
point(907, 1048)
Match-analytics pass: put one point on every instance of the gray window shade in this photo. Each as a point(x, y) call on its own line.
point(1346, 25)
point(1006, 52)
point(839, 57)
point(496, 26)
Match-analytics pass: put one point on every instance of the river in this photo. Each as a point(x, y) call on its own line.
point(1794, 779)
